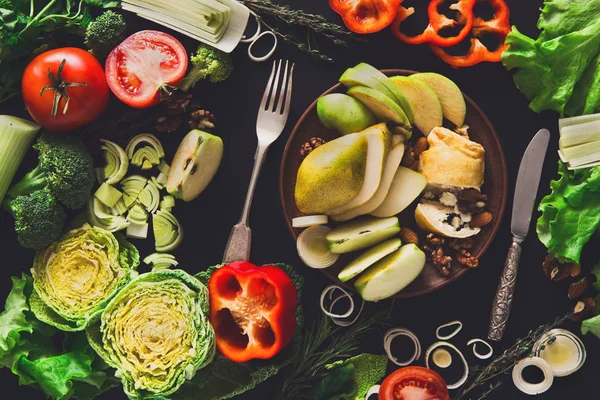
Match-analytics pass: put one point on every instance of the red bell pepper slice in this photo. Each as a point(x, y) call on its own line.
point(498, 25)
point(437, 22)
point(252, 309)
point(366, 16)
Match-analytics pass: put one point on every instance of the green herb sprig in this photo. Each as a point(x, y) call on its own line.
point(504, 363)
point(320, 346)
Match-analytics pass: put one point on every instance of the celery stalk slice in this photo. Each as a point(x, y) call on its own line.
point(564, 122)
point(574, 135)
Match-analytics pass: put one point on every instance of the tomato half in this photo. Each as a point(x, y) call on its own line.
point(413, 383)
point(64, 89)
point(143, 65)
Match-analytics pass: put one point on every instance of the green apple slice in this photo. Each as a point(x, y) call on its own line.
point(381, 77)
point(194, 165)
point(424, 102)
point(351, 77)
point(368, 258)
point(391, 274)
point(452, 99)
point(361, 233)
point(384, 108)
point(389, 170)
point(344, 113)
point(379, 141)
point(406, 186)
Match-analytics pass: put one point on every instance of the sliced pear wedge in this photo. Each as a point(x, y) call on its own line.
point(368, 258)
point(194, 165)
point(361, 233)
point(389, 170)
point(379, 141)
point(424, 102)
point(391, 274)
point(406, 186)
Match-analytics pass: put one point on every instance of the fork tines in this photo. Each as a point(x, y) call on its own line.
point(285, 91)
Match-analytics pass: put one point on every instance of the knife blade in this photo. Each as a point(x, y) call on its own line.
point(528, 182)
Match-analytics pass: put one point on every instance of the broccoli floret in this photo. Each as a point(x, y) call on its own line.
point(105, 33)
point(64, 167)
point(39, 219)
point(207, 63)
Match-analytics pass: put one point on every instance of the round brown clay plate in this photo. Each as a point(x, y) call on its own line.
point(495, 186)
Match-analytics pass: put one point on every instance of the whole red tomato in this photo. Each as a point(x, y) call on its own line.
point(413, 383)
point(144, 65)
point(64, 89)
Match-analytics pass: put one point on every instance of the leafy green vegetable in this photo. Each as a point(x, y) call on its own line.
point(105, 33)
point(570, 213)
point(560, 66)
point(333, 384)
point(207, 63)
point(27, 348)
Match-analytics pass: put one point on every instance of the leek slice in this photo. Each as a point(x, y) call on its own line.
point(117, 162)
point(119, 208)
point(167, 203)
point(137, 231)
point(162, 179)
point(313, 248)
point(160, 261)
point(156, 183)
point(150, 197)
point(137, 214)
point(132, 186)
point(574, 135)
point(164, 168)
point(168, 233)
point(99, 215)
point(146, 156)
point(108, 195)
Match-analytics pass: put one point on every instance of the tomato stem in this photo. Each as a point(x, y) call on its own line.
point(59, 86)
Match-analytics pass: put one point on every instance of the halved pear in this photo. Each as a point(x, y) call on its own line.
point(392, 274)
point(389, 170)
point(361, 233)
point(424, 102)
point(452, 99)
point(384, 108)
point(369, 258)
point(332, 174)
point(406, 186)
point(383, 78)
point(352, 77)
point(194, 165)
point(379, 141)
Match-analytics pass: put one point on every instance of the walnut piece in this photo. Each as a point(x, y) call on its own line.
point(458, 244)
point(466, 258)
point(202, 119)
point(312, 144)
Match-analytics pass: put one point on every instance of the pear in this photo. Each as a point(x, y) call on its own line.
point(391, 165)
point(384, 108)
point(385, 81)
point(392, 274)
point(352, 77)
point(379, 141)
point(361, 233)
point(406, 186)
point(332, 174)
point(424, 102)
point(368, 258)
point(343, 113)
point(195, 164)
point(452, 99)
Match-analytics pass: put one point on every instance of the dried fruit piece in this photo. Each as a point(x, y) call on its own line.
point(577, 289)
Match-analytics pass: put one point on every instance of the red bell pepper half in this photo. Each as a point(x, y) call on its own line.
point(252, 309)
point(366, 16)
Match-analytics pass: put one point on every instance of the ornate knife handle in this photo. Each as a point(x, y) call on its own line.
point(505, 291)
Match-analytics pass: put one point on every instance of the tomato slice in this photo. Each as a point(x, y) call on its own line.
point(146, 62)
point(414, 383)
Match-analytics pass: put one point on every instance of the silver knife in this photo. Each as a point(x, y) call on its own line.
point(528, 181)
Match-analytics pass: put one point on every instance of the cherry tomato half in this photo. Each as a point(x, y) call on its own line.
point(143, 65)
point(413, 383)
point(64, 89)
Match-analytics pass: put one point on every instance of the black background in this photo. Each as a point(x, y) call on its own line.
point(208, 219)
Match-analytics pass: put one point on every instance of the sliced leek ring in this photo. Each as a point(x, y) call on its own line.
point(146, 156)
point(117, 162)
point(309, 220)
point(313, 248)
point(168, 233)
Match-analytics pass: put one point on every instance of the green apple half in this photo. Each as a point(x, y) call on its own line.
point(452, 99)
point(368, 258)
point(361, 233)
point(391, 274)
point(344, 113)
point(194, 165)
point(424, 102)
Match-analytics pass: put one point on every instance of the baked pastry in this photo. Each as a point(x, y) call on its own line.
point(452, 161)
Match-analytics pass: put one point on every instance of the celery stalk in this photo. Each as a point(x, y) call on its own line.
point(574, 135)
point(564, 122)
point(16, 135)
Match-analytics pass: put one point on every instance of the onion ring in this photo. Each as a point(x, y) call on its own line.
point(479, 355)
point(339, 319)
point(463, 379)
point(532, 388)
point(389, 337)
point(451, 335)
point(372, 390)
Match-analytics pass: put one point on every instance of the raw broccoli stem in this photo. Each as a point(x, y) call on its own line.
point(34, 180)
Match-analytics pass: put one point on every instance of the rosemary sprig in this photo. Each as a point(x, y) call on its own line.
point(321, 345)
point(316, 24)
point(505, 362)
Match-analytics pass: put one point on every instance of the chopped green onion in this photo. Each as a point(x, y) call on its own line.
point(133, 185)
point(160, 261)
point(168, 233)
point(150, 197)
point(108, 195)
point(117, 162)
point(137, 214)
point(146, 156)
point(137, 231)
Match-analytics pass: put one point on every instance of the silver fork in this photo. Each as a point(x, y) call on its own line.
point(269, 125)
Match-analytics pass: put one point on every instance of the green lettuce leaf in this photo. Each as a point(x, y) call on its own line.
point(13, 321)
point(570, 213)
point(337, 384)
point(559, 70)
point(591, 325)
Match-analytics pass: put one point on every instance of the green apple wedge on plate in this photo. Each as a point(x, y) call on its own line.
point(344, 113)
point(361, 233)
point(424, 102)
point(384, 108)
point(368, 258)
point(391, 274)
point(453, 102)
point(351, 77)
